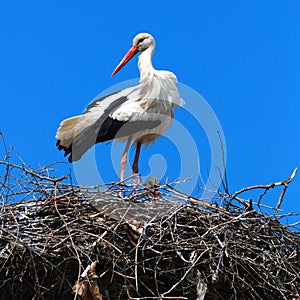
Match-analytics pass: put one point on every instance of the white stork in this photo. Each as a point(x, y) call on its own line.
point(137, 114)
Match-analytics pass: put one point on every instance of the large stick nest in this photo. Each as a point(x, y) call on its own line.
point(171, 247)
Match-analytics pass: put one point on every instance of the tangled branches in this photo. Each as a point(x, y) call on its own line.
point(139, 246)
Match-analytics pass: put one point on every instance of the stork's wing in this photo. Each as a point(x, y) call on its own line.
point(105, 130)
point(96, 125)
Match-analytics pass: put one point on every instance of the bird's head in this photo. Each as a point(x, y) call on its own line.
point(141, 42)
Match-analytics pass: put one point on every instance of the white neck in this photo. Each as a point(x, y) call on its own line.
point(145, 62)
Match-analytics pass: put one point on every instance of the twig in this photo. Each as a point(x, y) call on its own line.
point(146, 248)
point(285, 184)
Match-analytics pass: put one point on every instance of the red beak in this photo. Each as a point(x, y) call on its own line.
point(128, 56)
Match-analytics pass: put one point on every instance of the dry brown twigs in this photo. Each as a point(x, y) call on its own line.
point(62, 241)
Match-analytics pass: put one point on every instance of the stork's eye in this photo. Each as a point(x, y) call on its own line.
point(141, 40)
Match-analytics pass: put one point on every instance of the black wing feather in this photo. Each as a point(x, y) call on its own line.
point(104, 129)
point(86, 139)
point(108, 130)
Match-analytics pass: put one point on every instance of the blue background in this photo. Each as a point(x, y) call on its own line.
point(241, 56)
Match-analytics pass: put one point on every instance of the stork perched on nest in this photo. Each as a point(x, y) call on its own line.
point(137, 114)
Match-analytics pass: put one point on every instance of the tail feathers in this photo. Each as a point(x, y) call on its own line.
point(76, 135)
point(66, 134)
point(85, 140)
point(76, 140)
point(104, 129)
point(67, 150)
point(67, 131)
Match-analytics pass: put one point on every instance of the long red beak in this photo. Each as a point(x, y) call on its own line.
point(128, 56)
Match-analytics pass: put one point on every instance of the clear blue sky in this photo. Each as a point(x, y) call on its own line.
point(241, 56)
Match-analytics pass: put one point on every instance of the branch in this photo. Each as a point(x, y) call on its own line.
point(266, 187)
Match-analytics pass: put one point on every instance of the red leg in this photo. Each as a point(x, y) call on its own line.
point(135, 166)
